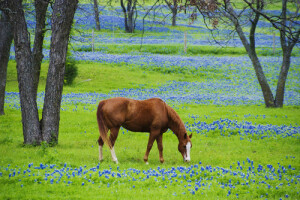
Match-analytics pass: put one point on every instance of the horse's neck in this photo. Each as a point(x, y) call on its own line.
point(175, 123)
point(178, 131)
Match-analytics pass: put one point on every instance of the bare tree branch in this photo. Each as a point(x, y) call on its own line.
point(291, 31)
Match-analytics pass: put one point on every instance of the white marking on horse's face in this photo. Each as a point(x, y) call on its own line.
point(187, 157)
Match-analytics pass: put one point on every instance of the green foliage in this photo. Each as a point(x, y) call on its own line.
point(71, 70)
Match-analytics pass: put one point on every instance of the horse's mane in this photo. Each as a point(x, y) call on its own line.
point(176, 124)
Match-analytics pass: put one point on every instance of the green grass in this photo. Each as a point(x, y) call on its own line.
point(103, 78)
point(178, 49)
point(77, 147)
point(79, 132)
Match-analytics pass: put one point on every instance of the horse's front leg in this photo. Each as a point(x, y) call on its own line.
point(160, 147)
point(152, 137)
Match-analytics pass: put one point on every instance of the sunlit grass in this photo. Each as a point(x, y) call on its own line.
point(212, 149)
point(78, 148)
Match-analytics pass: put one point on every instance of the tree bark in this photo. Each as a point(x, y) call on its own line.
point(286, 61)
point(6, 36)
point(62, 19)
point(30, 118)
point(174, 15)
point(40, 9)
point(96, 11)
point(130, 21)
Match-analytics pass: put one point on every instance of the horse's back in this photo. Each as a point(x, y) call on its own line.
point(146, 115)
point(135, 115)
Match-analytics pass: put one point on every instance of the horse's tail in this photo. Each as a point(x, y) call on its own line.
point(102, 125)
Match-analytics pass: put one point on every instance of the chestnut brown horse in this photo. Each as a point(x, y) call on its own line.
point(152, 115)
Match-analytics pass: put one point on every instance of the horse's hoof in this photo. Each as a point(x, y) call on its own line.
point(145, 160)
point(147, 163)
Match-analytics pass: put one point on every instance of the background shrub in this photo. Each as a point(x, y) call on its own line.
point(71, 71)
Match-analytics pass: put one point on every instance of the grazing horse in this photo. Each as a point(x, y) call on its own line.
point(151, 115)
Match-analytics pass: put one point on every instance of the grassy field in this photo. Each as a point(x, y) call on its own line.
point(225, 162)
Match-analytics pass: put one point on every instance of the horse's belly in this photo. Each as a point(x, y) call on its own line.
point(136, 127)
point(143, 125)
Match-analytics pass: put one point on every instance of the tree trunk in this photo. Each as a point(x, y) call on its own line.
point(282, 78)
point(96, 15)
point(30, 118)
point(130, 21)
point(40, 9)
point(62, 18)
point(125, 17)
point(174, 14)
point(6, 36)
point(266, 90)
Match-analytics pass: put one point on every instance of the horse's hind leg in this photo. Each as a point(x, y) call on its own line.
point(100, 142)
point(113, 137)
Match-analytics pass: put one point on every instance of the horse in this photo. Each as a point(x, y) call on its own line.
point(151, 115)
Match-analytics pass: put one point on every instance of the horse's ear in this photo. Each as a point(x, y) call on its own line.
point(190, 136)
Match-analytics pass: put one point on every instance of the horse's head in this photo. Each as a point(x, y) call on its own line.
point(184, 147)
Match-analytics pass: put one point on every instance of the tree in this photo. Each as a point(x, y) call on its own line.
point(35, 132)
point(173, 6)
point(286, 23)
point(96, 11)
point(130, 14)
point(6, 37)
point(289, 27)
